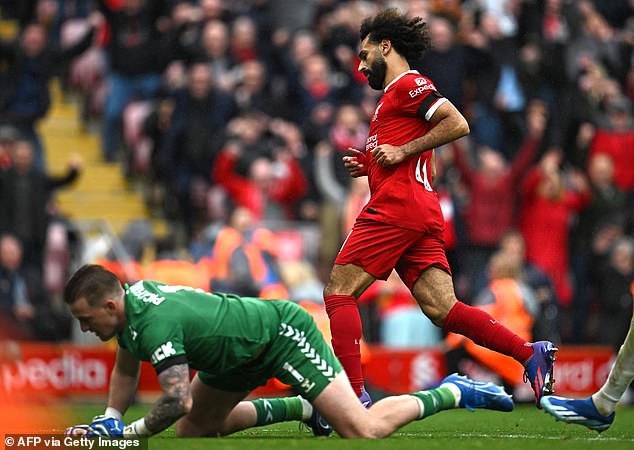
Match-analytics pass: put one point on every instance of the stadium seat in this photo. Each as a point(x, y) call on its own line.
point(176, 272)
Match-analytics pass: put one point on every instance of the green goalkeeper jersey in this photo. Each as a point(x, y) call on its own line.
point(211, 332)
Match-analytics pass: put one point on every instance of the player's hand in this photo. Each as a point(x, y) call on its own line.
point(105, 426)
point(353, 163)
point(387, 155)
point(77, 430)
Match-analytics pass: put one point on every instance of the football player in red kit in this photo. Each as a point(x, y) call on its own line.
point(401, 226)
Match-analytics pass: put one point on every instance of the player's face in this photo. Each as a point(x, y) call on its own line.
point(100, 320)
point(372, 64)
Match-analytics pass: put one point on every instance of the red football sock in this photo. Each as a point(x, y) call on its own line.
point(484, 330)
point(345, 328)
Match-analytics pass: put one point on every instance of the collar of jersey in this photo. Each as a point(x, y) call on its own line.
point(398, 78)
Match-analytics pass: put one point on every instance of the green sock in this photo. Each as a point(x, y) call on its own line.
point(435, 400)
point(273, 410)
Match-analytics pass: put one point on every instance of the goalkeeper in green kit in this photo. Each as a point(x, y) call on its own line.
point(236, 344)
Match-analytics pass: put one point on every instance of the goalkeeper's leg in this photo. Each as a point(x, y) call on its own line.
point(620, 377)
point(219, 413)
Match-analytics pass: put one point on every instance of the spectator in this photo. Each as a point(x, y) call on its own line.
point(24, 300)
point(194, 138)
point(548, 205)
point(8, 136)
point(24, 199)
point(251, 91)
point(546, 323)
point(138, 51)
point(243, 266)
point(608, 205)
point(244, 40)
point(25, 97)
point(493, 189)
point(214, 48)
point(614, 289)
point(332, 180)
point(313, 86)
point(273, 185)
point(156, 127)
point(14, 299)
point(449, 61)
point(617, 140)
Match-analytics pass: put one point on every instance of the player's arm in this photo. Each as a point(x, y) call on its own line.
point(449, 125)
point(175, 402)
point(123, 382)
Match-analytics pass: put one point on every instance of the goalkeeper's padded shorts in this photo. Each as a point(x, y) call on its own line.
point(298, 356)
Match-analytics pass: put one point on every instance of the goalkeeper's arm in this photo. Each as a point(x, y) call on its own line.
point(123, 383)
point(175, 402)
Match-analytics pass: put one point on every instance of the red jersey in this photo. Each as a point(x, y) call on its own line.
point(402, 194)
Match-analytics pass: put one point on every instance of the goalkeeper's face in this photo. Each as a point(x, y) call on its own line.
point(103, 319)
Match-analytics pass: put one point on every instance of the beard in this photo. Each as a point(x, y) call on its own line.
point(376, 74)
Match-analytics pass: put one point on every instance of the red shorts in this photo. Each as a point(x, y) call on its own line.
point(379, 247)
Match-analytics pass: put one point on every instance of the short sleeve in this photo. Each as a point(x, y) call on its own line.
point(418, 96)
point(163, 343)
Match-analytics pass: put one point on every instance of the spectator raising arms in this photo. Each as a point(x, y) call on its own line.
point(549, 200)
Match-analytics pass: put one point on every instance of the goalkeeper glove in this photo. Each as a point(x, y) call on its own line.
point(105, 426)
point(77, 430)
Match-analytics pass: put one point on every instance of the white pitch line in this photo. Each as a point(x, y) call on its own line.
point(515, 436)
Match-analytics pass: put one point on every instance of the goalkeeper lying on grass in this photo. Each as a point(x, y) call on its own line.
point(236, 344)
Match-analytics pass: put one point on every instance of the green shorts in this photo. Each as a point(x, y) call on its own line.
point(298, 356)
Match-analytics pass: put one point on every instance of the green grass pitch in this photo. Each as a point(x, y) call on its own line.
point(525, 428)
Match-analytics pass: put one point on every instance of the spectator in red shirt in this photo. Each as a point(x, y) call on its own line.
point(493, 189)
point(617, 140)
point(272, 186)
point(547, 208)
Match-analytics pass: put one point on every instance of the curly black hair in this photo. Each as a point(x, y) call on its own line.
point(409, 36)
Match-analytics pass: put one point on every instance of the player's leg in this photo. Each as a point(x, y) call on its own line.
point(339, 405)
point(218, 412)
point(425, 270)
point(345, 284)
point(307, 363)
point(370, 252)
point(211, 409)
point(621, 376)
point(597, 412)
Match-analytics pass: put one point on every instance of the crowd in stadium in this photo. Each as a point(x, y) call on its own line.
point(247, 107)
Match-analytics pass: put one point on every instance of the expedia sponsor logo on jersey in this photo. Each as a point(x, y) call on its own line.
point(371, 143)
point(164, 351)
point(420, 81)
point(419, 90)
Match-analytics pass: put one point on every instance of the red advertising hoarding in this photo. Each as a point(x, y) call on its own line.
point(66, 370)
